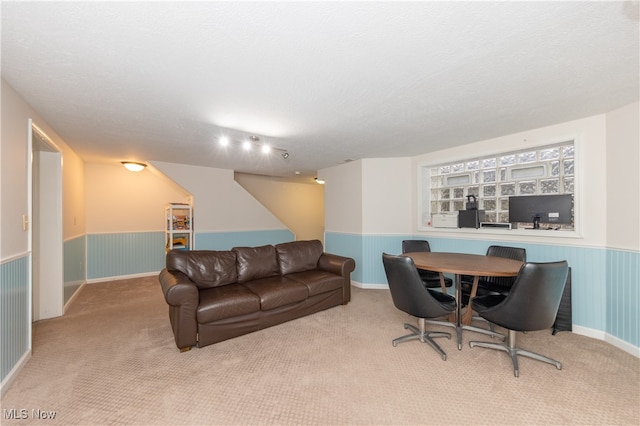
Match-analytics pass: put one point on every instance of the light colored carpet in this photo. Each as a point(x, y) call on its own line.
point(112, 360)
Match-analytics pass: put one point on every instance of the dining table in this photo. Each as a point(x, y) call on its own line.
point(459, 264)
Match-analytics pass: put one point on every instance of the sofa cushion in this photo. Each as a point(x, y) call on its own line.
point(256, 262)
point(298, 256)
point(206, 268)
point(277, 291)
point(226, 302)
point(318, 281)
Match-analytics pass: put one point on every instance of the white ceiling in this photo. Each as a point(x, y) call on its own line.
point(327, 81)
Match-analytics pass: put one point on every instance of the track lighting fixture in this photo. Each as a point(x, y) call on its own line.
point(252, 141)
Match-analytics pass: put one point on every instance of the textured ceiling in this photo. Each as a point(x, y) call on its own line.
point(327, 81)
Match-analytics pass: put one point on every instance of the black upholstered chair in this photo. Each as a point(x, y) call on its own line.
point(531, 305)
point(493, 285)
point(411, 296)
point(431, 279)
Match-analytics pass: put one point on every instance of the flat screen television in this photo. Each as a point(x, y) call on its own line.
point(549, 209)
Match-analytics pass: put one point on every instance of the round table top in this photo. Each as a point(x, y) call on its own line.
point(466, 264)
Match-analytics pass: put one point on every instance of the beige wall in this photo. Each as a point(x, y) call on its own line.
point(387, 196)
point(220, 203)
point(122, 201)
point(343, 197)
point(300, 206)
point(15, 154)
point(74, 217)
point(589, 135)
point(623, 177)
point(369, 196)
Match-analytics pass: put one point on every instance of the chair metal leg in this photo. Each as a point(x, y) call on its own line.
point(450, 324)
point(424, 336)
point(414, 335)
point(538, 357)
point(514, 351)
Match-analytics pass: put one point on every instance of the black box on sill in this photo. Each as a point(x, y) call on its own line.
point(470, 218)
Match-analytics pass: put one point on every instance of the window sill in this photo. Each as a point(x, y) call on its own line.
point(519, 232)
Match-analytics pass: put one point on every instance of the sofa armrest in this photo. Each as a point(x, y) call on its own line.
point(342, 266)
point(335, 264)
point(182, 296)
point(178, 289)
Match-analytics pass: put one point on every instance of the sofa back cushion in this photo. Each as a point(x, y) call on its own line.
point(299, 256)
point(206, 268)
point(253, 263)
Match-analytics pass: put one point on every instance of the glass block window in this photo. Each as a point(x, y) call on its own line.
point(492, 179)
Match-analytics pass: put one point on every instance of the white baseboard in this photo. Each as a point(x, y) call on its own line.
point(15, 371)
point(73, 297)
point(589, 332)
point(122, 277)
point(612, 340)
point(621, 344)
point(370, 286)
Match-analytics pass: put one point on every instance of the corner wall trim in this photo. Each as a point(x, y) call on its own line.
point(15, 371)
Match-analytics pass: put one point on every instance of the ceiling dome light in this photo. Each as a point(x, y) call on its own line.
point(246, 145)
point(224, 141)
point(133, 166)
point(266, 149)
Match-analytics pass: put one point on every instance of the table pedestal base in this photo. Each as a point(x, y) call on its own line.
point(461, 327)
point(467, 264)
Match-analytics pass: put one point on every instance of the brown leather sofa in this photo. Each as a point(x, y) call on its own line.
point(218, 295)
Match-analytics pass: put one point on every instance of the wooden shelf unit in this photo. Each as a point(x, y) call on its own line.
point(178, 227)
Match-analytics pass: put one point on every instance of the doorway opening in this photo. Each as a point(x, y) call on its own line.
point(46, 238)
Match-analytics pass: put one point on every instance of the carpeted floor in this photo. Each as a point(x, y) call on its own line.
point(112, 360)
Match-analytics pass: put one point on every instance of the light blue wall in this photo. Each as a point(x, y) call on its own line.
point(623, 295)
point(605, 282)
point(74, 260)
point(227, 240)
point(15, 314)
point(129, 253)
